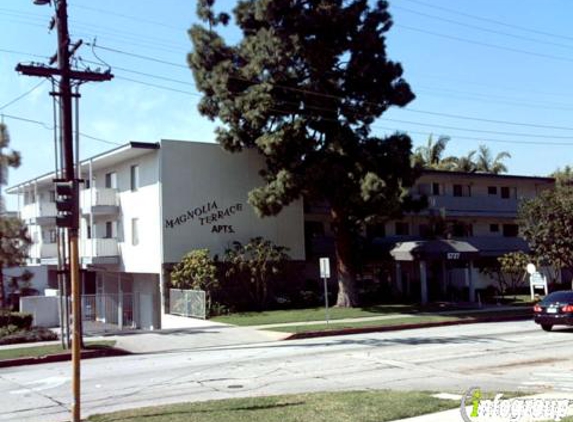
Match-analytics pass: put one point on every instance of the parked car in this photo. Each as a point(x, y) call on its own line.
point(555, 309)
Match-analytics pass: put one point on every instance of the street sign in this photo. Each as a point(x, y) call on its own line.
point(537, 281)
point(324, 267)
point(324, 264)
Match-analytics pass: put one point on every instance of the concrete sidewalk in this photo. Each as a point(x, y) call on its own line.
point(191, 334)
point(454, 415)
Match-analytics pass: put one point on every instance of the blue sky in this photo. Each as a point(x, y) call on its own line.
point(496, 72)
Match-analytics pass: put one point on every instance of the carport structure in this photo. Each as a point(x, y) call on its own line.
point(422, 252)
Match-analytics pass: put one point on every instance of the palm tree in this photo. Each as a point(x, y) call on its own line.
point(563, 177)
point(465, 163)
point(485, 162)
point(430, 156)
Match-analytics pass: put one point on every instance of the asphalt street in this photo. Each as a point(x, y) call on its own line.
point(495, 356)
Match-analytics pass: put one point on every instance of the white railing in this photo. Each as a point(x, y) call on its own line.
point(97, 197)
point(99, 247)
point(48, 250)
point(38, 209)
point(474, 203)
point(189, 303)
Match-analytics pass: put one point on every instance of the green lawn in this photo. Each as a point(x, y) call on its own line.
point(31, 352)
point(317, 314)
point(361, 406)
point(366, 324)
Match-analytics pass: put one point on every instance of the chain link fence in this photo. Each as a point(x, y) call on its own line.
point(188, 303)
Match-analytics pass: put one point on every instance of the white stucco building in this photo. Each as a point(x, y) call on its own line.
point(143, 206)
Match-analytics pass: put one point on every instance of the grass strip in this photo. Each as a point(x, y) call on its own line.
point(355, 406)
point(37, 351)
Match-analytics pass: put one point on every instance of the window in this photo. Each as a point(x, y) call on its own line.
point(436, 189)
point(134, 172)
point(462, 190)
point(462, 229)
point(507, 192)
point(402, 229)
point(110, 229)
point(510, 230)
point(492, 190)
point(494, 228)
point(52, 196)
point(134, 231)
point(111, 180)
point(89, 231)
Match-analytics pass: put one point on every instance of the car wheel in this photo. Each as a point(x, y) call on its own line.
point(546, 327)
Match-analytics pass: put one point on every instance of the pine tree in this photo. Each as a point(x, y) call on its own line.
point(14, 239)
point(302, 87)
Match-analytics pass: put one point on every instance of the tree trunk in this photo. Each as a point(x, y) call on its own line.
point(344, 265)
point(2, 297)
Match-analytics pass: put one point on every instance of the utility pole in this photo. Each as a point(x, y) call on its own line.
point(67, 189)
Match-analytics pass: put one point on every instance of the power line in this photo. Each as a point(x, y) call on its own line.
point(159, 86)
point(139, 56)
point(484, 140)
point(18, 98)
point(484, 44)
point(491, 132)
point(124, 16)
point(415, 123)
point(307, 91)
point(480, 28)
point(496, 22)
point(478, 119)
point(50, 127)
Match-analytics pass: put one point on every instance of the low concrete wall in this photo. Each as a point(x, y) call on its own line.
point(43, 308)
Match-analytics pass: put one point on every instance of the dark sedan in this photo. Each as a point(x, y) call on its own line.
point(555, 309)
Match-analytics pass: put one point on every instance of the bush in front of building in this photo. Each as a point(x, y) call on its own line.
point(255, 265)
point(21, 321)
point(13, 335)
point(198, 270)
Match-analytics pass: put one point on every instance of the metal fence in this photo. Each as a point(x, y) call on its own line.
point(110, 311)
point(189, 303)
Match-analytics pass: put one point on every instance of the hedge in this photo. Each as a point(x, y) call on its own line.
point(19, 319)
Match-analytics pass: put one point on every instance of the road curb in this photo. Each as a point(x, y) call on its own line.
point(63, 357)
point(380, 329)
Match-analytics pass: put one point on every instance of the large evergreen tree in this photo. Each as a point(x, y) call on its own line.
point(14, 239)
point(302, 86)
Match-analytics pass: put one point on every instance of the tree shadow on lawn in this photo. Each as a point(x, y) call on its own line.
point(190, 412)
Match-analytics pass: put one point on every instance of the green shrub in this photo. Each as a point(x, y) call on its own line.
point(28, 336)
point(8, 330)
point(21, 320)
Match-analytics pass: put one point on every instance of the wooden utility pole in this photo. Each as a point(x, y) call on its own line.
point(68, 205)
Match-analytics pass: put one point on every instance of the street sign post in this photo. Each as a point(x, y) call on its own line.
point(324, 264)
point(537, 281)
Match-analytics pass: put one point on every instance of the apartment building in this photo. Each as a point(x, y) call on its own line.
point(143, 206)
point(476, 214)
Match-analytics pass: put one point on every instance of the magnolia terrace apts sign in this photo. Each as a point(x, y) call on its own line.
point(208, 214)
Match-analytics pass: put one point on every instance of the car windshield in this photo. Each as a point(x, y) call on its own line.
point(561, 297)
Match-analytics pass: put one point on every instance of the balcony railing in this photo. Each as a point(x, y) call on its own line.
point(475, 205)
point(95, 248)
point(38, 211)
point(99, 201)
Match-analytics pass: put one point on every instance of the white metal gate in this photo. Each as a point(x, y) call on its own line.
point(110, 312)
point(189, 303)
